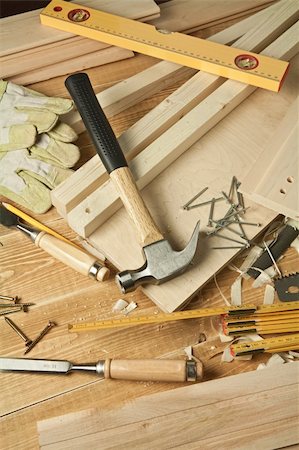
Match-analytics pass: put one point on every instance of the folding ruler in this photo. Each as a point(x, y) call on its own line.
point(180, 315)
point(218, 59)
point(270, 345)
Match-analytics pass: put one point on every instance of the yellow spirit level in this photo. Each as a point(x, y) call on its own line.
point(218, 59)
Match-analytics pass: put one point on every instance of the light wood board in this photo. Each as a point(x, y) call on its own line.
point(228, 149)
point(166, 142)
point(95, 59)
point(273, 181)
point(237, 412)
point(24, 31)
point(142, 133)
point(189, 15)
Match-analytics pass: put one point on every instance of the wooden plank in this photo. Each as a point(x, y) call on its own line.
point(125, 94)
point(132, 90)
point(33, 59)
point(227, 150)
point(188, 16)
point(100, 204)
point(194, 415)
point(273, 180)
point(24, 31)
point(94, 59)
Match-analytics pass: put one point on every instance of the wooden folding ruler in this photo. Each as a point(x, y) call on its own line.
point(270, 345)
point(218, 59)
point(180, 315)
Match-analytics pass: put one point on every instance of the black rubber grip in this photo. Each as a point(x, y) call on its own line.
point(95, 121)
point(284, 240)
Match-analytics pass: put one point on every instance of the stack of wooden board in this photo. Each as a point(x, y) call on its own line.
point(250, 410)
point(31, 52)
point(173, 175)
point(188, 15)
point(47, 53)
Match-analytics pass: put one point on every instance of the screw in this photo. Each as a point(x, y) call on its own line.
point(10, 311)
point(40, 336)
point(18, 331)
point(18, 305)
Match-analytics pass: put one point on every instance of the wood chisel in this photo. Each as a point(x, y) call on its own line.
point(119, 369)
point(72, 256)
point(190, 51)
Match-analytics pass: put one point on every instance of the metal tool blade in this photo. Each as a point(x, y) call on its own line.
point(34, 365)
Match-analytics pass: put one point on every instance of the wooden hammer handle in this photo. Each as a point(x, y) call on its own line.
point(112, 156)
point(152, 370)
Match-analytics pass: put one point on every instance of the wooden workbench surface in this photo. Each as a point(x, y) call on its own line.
point(62, 295)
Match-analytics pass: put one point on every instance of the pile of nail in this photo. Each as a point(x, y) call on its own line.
point(234, 215)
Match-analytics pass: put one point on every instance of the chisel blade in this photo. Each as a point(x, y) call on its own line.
point(34, 365)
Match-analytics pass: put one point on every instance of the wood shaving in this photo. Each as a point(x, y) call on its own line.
point(131, 306)
point(269, 295)
point(119, 305)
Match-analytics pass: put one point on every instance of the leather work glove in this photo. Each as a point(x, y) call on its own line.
point(25, 113)
point(35, 147)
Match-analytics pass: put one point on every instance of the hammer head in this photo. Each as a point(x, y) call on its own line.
point(162, 263)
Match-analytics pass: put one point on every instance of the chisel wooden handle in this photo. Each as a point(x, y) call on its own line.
point(112, 156)
point(153, 370)
point(73, 257)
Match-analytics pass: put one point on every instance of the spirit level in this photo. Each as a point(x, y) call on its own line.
point(180, 315)
point(201, 54)
point(270, 345)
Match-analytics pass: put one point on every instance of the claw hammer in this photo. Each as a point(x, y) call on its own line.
point(161, 262)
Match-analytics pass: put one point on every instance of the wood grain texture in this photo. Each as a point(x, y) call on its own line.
point(125, 185)
point(198, 415)
point(184, 15)
point(63, 295)
point(24, 31)
point(95, 59)
point(211, 162)
point(150, 126)
point(92, 212)
point(273, 179)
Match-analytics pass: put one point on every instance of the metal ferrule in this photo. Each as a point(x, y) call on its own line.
point(93, 270)
point(29, 231)
point(100, 368)
point(191, 370)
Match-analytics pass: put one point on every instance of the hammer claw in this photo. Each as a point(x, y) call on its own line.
point(162, 264)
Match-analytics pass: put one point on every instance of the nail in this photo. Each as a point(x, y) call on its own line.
point(251, 223)
point(222, 248)
point(210, 220)
point(233, 240)
point(11, 299)
point(40, 336)
point(195, 197)
point(18, 331)
point(204, 203)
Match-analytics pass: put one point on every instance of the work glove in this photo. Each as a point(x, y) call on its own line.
point(36, 152)
point(25, 113)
